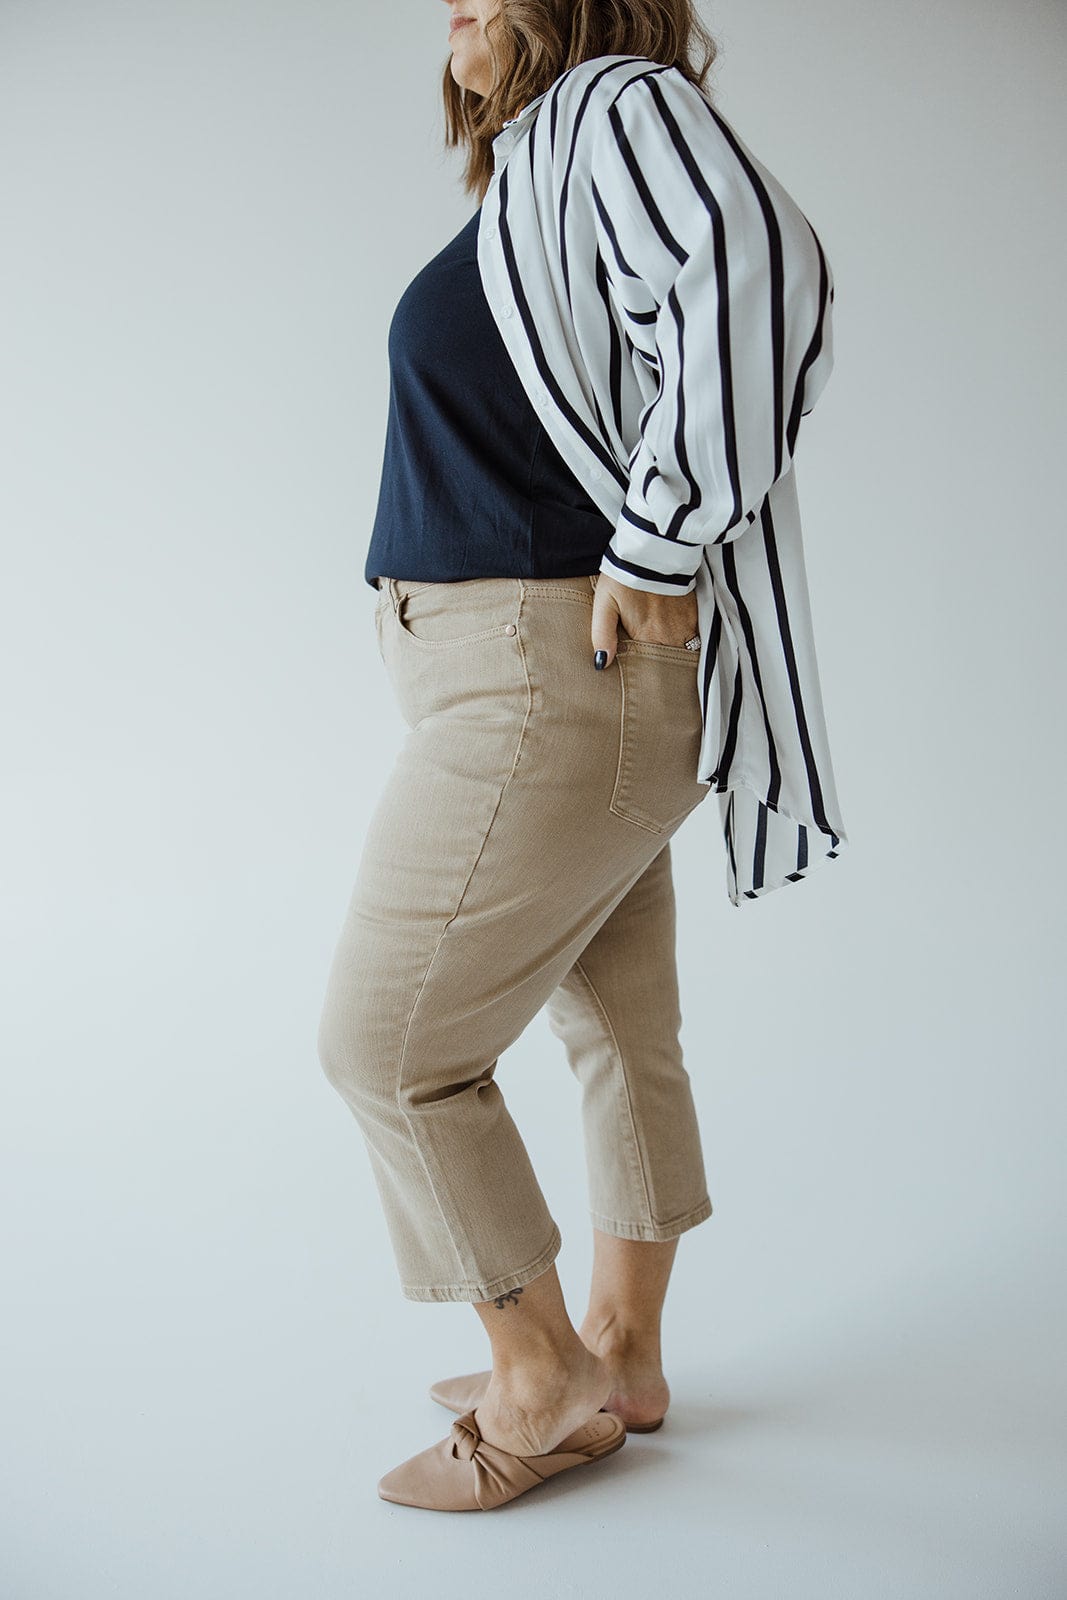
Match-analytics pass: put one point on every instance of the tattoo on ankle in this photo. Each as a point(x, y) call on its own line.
point(502, 1299)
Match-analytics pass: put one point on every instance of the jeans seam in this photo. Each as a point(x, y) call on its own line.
point(575, 597)
point(433, 956)
point(613, 1037)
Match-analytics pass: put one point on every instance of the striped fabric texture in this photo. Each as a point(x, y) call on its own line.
point(668, 308)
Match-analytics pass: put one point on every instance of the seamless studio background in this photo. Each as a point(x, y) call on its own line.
point(211, 208)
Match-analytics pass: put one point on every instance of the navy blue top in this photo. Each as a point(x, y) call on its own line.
point(471, 486)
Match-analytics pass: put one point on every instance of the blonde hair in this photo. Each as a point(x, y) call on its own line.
point(531, 42)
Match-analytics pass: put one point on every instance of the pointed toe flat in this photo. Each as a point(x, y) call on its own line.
point(463, 1472)
point(468, 1391)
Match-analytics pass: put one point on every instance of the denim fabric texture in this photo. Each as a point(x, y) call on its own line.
point(518, 857)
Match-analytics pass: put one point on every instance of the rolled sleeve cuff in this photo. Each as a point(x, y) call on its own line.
point(643, 561)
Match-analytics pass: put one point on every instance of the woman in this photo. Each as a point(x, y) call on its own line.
point(591, 607)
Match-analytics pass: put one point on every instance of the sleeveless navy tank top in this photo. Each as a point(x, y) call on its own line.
point(471, 484)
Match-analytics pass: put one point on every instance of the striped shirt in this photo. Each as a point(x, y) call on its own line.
point(667, 307)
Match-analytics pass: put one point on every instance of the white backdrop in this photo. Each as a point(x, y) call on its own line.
point(207, 1361)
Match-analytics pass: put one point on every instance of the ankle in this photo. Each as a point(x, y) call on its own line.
point(611, 1338)
point(533, 1387)
point(538, 1363)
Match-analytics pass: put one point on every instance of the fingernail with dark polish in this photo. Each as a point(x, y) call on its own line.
point(600, 660)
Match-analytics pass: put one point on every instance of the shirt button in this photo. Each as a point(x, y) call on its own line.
point(490, 233)
point(510, 628)
point(596, 474)
point(507, 310)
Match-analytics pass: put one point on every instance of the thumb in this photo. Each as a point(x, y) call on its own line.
point(605, 628)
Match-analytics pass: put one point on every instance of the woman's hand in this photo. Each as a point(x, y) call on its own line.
point(657, 618)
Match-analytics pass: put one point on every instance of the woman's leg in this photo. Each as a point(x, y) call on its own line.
point(506, 836)
point(545, 1380)
point(618, 1014)
point(547, 1376)
point(623, 1321)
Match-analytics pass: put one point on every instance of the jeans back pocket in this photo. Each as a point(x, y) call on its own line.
point(659, 741)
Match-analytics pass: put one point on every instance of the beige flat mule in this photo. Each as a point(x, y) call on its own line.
point(465, 1473)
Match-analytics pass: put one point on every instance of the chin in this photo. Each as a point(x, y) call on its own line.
point(472, 83)
point(469, 74)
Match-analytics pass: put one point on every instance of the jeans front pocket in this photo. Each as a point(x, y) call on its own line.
point(452, 649)
point(446, 616)
point(659, 741)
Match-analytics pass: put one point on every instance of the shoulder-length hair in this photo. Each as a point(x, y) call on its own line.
point(531, 42)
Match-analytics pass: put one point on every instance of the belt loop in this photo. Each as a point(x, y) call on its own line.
point(393, 596)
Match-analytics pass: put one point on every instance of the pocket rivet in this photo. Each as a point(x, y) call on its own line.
point(510, 628)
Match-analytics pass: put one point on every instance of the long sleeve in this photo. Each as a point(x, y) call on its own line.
point(742, 327)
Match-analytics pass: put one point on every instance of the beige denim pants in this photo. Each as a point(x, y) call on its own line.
point(517, 858)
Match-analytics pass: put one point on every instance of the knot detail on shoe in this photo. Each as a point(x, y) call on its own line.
point(498, 1475)
point(464, 1472)
point(465, 1436)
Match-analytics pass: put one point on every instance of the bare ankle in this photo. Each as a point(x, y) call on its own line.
point(618, 1341)
point(538, 1367)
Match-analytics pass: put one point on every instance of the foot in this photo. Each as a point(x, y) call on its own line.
point(529, 1412)
point(639, 1393)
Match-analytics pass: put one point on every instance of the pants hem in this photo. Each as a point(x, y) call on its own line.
point(495, 1286)
point(653, 1231)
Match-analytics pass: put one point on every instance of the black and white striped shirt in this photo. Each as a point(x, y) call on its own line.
point(667, 307)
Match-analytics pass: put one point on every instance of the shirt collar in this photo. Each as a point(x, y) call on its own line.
point(531, 105)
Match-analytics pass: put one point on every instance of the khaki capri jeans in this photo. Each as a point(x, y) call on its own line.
point(518, 857)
